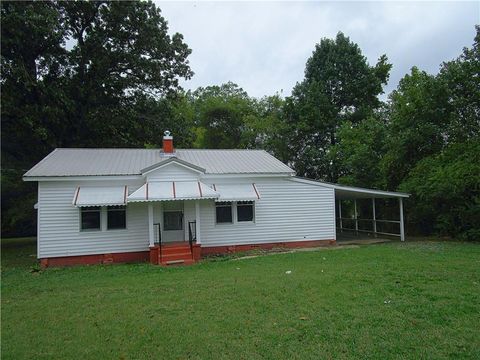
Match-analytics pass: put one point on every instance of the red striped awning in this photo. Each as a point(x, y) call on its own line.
point(173, 190)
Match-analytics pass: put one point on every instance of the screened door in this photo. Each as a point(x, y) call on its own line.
point(173, 222)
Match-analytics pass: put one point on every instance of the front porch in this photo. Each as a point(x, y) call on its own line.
point(174, 232)
point(174, 227)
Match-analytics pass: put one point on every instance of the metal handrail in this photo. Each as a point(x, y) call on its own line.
point(192, 235)
point(159, 242)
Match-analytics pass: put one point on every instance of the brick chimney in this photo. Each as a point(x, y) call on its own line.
point(167, 143)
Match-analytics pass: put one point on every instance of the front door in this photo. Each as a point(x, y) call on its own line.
point(173, 222)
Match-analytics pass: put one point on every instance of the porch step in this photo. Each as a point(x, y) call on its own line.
point(176, 250)
point(164, 258)
point(178, 253)
point(174, 262)
point(177, 262)
point(175, 254)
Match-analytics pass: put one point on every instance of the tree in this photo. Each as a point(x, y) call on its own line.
point(112, 85)
point(265, 128)
point(118, 54)
point(427, 113)
point(220, 112)
point(33, 60)
point(339, 86)
point(445, 190)
point(461, 78)
point(360, 150)
point(418, 120)
point(122, 51)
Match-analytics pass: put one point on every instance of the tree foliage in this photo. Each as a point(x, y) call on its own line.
point(106, 74)
point(418, 119)
point(221, 111)
point(85, 74)
point(445, 191)
point(360, 150)
point(339, 86)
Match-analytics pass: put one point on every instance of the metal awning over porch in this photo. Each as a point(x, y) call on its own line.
point(237, 192)
point(100, 196)
point(173, 190)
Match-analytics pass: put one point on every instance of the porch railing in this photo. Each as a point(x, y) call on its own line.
point(374, 224)
point(374, 221)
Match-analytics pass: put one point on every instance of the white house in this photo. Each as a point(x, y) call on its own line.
point(172, 206)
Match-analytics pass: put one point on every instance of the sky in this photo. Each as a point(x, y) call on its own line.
point(263, 46)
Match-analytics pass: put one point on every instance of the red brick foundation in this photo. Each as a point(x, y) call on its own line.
point(139, 256)
point(153, 254)
point(197, 252)
point(216, 250)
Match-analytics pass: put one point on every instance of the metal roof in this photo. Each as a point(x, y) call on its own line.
point(353, 192)
point(172, 190)
point(93, 162)
point(100, 196)
point(237, 192)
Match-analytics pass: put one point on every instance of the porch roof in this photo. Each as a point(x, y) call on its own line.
point(100, 196)
point(172, 190)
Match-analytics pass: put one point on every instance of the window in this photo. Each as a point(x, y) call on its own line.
point(90, 218)
point(173, 220)
point(116, 217)
point(245, 210)
point(224, 212)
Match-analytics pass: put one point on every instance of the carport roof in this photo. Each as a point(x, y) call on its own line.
point(352, 192)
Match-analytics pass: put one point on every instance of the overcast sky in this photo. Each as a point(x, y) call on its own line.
point(263, 46)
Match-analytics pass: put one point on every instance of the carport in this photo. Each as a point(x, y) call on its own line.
point(369, 212)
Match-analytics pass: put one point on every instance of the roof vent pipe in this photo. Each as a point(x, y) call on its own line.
point(167, 143)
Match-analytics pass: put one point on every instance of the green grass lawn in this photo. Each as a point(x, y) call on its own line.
point(397, 300)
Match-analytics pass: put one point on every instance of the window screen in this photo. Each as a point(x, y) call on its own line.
point(224, 212)
point(90, 218)
point(117, 218)
point(173, 220)
point(245, 210)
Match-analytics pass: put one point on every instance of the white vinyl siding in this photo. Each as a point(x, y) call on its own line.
point(189, 214)
point(173, 172)
point(286, 211)
point(59, 225)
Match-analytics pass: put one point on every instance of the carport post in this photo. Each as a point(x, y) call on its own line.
point(402, 228)
point(374, 218)
point(356, 219)
point(340, 214)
